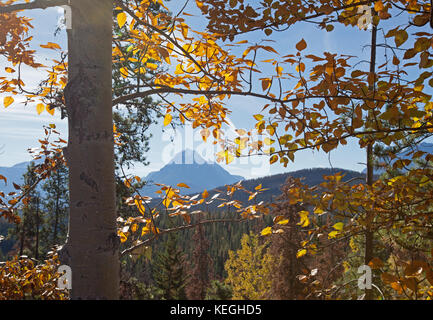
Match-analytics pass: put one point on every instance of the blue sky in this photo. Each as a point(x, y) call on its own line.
point(20, 126)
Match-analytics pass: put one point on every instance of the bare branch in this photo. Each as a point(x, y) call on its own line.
point(163, 89)
point(37, 4)
point(189, 226)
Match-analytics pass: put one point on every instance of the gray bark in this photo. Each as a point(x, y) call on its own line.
point(92, 246)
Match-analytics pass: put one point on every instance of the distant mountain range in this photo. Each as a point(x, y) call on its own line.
point(187, 167)
point(13, 174)
point(273, 183)
point(190, 168)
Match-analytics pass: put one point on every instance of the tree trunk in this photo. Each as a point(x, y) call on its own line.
point(22, 238)
point(37, 230)
point(56, 211)
point(369, 247)
point(92, 247)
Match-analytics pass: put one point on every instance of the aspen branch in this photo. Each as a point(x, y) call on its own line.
point(160, 89)
point(343, 137)
point(306, 18)
point(190, 226)
point(173, 41)
point(37, 4)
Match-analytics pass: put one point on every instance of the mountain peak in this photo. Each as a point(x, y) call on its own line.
point(190, 168)
point(188, 156)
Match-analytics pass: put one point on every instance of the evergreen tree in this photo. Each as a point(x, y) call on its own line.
point(26, 234)
point(169, 270)
point(200, 277)
point(219, 291)
point(55, 202)
point(133, 118)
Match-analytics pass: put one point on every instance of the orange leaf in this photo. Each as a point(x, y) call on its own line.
point(375, 263)
point(51, 45)
point(301, 45)
point(8, 101)
point(266, 83)
point(378, 6)
point(205, 194)
point(183, 185)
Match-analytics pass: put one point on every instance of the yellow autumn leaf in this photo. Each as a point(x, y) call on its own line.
point(268, 141)
point(338, 226)
point(184, 30)
point(319, 211)
point(145, 230)
point(123, 237)
point(40, 108)
point(166, 202)
point(301, 252)
point(333, 234)
point(8, 101)
point(271, 130)
point(50, 110)
point(258, 117)
point(179, 69)
point(304, 222)
point(228, 157)
point(134, 227)
point(123, 72)
point(140, 206)
point(168, 118)
point(266, 231)
point(152, 66)
point(121, 19)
